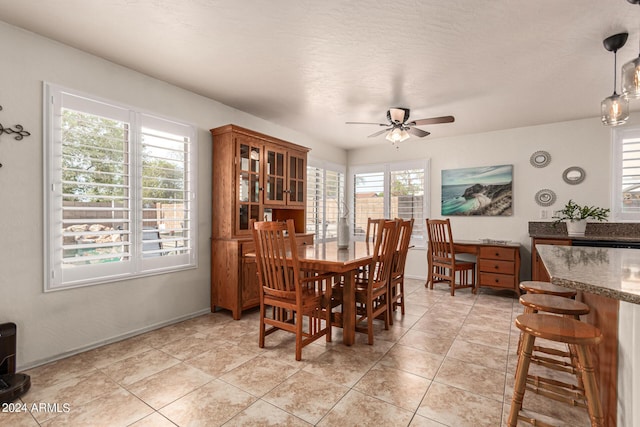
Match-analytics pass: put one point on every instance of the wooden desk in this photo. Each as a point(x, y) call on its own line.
point(498, 264)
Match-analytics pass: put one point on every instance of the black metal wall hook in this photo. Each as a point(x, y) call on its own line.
point(18, 131)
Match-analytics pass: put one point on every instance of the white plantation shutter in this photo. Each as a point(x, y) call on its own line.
point(118, 192)
point(408, 198)
point(626, 168)
point(369, 199)
point(392, 190)
point(334, 201)
point(325, 195)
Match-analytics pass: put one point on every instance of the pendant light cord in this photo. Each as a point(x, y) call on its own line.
point(615, 58)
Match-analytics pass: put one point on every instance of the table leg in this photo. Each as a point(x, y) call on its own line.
point(349, 309)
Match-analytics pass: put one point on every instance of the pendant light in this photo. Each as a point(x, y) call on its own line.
point(630, 85)
point(615, 109)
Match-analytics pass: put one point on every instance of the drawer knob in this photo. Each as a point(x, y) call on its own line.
point(495, 266)
point(496, 280)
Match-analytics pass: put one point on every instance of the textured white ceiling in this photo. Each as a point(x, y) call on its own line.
point(312, 65)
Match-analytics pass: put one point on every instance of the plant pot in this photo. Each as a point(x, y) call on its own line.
point(577, 227)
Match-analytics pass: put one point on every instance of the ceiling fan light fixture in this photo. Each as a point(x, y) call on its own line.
point(397, 135)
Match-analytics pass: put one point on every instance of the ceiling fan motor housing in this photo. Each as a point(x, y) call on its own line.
point(398, 115)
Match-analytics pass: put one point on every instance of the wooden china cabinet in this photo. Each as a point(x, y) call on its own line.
point(255, 177)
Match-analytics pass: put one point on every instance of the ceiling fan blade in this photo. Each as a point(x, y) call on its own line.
point(373, 135)
point(432, 121)
point(418, 132)
point(366, 123)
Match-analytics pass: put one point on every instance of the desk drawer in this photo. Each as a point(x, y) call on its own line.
point(497, 280)
point(496, 266)
point(495, 252)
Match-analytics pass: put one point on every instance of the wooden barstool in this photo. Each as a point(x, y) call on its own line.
point(564, 330)
point(534, 303)
point(536, 287)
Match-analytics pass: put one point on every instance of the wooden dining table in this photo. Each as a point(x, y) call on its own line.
point(327, 258)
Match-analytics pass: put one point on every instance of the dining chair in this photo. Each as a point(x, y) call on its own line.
point(372, 229)
point(445, 267)
point(372, 290)
point(396, 281)
point(300, 301)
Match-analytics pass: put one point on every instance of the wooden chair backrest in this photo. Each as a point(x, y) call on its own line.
point(404, 238)
point(372, 230)
point(276, 276)
point(440, 240)
point(385, 246)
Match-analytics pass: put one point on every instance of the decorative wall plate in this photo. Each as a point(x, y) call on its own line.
point(540, 159)
point(574, 175)
point(545, 197)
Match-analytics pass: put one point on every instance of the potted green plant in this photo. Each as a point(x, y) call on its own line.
point(576, 216)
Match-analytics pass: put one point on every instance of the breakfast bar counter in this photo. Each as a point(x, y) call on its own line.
point(608, 280)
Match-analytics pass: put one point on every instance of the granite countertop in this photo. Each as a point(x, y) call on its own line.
point(609, 231)
point(610, 272)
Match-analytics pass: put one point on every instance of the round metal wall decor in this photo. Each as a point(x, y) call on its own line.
point(545, 197)
point(540, 159)
point(573, 175)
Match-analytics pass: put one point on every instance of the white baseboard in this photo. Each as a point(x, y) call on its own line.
point(112, 340)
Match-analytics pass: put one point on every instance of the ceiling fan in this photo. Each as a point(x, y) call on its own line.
point(398, 127)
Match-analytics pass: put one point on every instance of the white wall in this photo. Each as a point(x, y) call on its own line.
point(57, 323)
point(584, 143)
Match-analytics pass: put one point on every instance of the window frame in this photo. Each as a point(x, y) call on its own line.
point(55, 277)
point(324, 166)
point(387, 169)
point(618, 213)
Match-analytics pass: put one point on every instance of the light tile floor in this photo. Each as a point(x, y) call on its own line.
point(449, 361)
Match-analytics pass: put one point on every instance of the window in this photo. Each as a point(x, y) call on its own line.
point(626, 169)
point(119, 192)
point(395, 190)
point(325, 198)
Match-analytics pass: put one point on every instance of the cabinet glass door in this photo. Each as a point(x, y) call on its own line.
point(297, 170)
point(275, 177)
point(248, 173)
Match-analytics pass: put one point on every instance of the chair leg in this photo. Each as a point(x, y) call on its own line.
point(299, 321)
point(521, 378)
point(328, 318)
point(402, 297)
point(391, 302)
point(261, 338)
point(590, 386)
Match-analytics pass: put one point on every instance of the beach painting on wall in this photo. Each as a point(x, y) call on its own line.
point(486, 191)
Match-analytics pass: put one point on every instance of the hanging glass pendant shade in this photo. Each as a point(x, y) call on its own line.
point(615, 108)
point(631, 78)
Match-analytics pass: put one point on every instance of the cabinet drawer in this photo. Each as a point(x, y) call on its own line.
point(494, 252)
point(304, 240)
point(496, 266)
point(497, 280)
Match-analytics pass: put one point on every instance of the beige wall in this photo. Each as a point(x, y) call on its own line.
point(585, 143)
point(57, 323)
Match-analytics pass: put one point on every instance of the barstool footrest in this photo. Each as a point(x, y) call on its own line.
point(551, 351)
point(569, 393)
point(534, 422)
point(542, 391)
point(554, 364)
